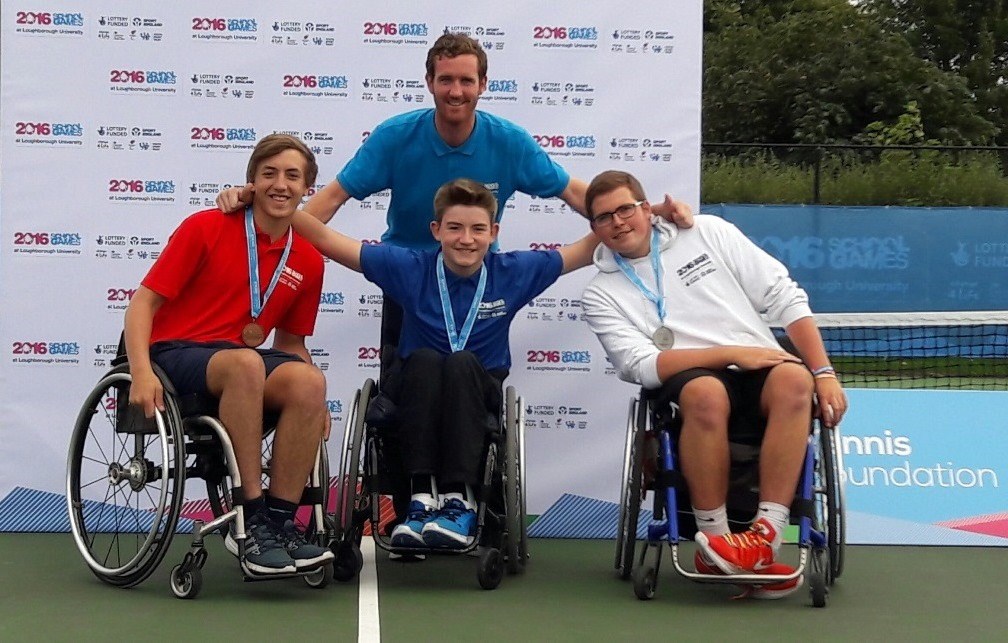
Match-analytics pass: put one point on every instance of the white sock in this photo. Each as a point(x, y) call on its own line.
point(778, 516)
point(713, 522)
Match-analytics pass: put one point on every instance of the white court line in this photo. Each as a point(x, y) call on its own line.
point(368, 619)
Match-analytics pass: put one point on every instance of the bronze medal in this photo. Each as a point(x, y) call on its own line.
point(253, 335)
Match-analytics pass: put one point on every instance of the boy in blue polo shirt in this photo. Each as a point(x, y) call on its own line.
point(458, 303)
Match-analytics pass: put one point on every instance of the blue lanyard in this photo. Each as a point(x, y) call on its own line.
point(253, 262)
point(456, 339)
point(659, 298)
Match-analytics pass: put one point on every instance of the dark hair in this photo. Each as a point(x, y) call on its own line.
point(464, 192)
point(607, 182)
point(274, 144)
point(451, 45)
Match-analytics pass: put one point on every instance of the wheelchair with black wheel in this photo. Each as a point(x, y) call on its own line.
point(126, 478)
point(371, 469)
point(650, 465)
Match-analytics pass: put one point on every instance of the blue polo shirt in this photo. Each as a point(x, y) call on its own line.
point(405, 153)
point(410, 278)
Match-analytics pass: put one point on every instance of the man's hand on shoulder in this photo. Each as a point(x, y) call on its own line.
point(678, 212)
point(236, 198)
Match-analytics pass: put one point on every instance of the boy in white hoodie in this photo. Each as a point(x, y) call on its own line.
point(687, 311)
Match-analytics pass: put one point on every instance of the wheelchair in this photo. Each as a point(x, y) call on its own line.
point(649, 464)
point(126, 478)
point(370, 468)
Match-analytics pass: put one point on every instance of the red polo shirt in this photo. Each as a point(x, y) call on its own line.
point(203, 274)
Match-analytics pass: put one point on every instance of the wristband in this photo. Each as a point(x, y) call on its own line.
point(823, 369)
point(825, 376)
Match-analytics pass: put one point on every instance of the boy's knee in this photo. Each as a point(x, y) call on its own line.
point(704, 400)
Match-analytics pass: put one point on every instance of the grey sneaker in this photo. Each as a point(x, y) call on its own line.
point(265, 549)
point(306, 555)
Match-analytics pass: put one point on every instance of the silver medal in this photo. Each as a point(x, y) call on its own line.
point(663, 338)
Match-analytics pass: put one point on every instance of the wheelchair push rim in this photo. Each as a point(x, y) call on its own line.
point(124, 489)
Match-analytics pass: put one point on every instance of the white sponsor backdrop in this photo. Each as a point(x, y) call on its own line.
point(121, 118)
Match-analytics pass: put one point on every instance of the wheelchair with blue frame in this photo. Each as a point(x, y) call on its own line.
point(371, 469)
point(650, 465)
point(126, 478)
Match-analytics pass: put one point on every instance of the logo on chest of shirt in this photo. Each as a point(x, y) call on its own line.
point(491, 309)
point(696, 269)
point(291, 278)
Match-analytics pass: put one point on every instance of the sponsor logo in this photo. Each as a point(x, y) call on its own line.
point(567, 145)
point(143, 81)
point(137, 190)
point(138, 29)
point(297, 33)
point(222, 139)
point(643, 41)
point(215, 86)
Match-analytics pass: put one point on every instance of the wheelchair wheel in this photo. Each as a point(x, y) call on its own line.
point(125, 477)
point(516, 544)
point(350, 494)
point(631, 490)
point(491, 568)
point(186, 584)
point(835, 515)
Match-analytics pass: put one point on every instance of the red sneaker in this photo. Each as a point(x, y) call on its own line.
point(704, 566)
point(775, 591)
point(748, 552)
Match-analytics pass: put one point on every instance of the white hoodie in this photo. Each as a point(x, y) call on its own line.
point(720, 290)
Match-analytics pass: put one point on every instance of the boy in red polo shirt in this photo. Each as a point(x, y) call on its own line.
point(220, 286)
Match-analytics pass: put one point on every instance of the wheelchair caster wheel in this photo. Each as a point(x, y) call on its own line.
point(186, 584)
point(644, 580)
point(491, 568)
point(321, 577)
point(349, 561)
point(817, 587)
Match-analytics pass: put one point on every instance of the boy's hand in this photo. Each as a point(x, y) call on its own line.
point(236, 198)
point(678, 212)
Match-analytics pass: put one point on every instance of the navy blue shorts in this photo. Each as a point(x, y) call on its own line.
point(746, 424)
point(185, 363)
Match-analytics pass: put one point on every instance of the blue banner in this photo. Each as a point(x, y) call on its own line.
point(885, 259)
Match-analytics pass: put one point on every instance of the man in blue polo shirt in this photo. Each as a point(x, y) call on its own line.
point(415, 153)
point(458, 302)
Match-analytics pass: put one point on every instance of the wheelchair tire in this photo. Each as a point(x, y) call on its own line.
point(644, 582)
point(836, 536)
point(125, 481)
point(514, 491)
point(630, 493)
point(350, 492)
point(349, 560)
point(491, 568)
point(320, 577)
point(186, 584)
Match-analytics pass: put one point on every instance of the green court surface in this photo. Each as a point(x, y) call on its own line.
point(568, 593)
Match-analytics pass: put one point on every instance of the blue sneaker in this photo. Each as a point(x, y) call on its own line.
point(409, 533)
point(453, 527)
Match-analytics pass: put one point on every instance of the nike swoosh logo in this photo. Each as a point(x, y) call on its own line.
point(761, 565)
point(705, 519)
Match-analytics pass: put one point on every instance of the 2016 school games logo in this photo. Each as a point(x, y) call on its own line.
point(142, 81)
point(132, 189)
point(52, 133)
point(47, 243)
point(395, 33)
point(214, 28)
point(553, 359)
point(41, 22)
point(216, 137)
point(565, 145)
point(559, 36)
point(315, 84)
point(43, 351)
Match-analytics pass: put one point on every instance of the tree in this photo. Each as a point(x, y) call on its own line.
point(819, 71)
point(965, 37)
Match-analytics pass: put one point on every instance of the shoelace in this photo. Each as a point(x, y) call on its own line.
point(260, 534)
point(292, 535)
point(453, 509)
point(747, 540)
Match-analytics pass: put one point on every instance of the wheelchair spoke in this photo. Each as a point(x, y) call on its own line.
point(98, 479)
point(98, 462)
point(98, 444)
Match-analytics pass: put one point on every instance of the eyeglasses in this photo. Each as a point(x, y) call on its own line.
point(623, 212)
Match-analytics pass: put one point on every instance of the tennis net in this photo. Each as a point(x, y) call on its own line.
point(945, 350)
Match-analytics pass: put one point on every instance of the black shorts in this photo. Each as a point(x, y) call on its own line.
point(185, 363)
point(746, 424)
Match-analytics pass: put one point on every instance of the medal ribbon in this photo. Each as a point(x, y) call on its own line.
point(456, 339)
point(258, 303)
point(628, 272)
